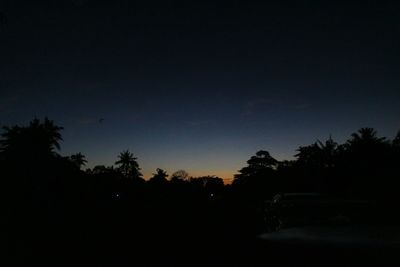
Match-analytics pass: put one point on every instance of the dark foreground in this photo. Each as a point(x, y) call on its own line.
point(201, 251)
point(153, 235)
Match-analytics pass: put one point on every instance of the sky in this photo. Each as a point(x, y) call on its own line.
point(200, 86)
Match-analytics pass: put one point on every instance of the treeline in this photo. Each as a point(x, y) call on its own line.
point(366, 166)
point(31, 165)
point(54, 209)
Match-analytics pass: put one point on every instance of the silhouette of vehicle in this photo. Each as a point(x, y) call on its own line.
point(300, 209)
point(324, 230)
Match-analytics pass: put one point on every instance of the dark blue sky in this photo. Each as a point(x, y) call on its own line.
point(200, 86)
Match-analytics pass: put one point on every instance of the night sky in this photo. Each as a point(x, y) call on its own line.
point(200, 86)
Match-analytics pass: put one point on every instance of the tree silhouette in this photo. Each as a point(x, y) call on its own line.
point(180, 175)
point(78, 159)
point(36, 140)
point(210, 184)
point(366, 147)
point(365, 158)
point(258, 178)
point(365, 136)
point(396, 140)
point(318, 155)
point(100, 169)
point(259, 164)
point(159, 177)
point(128, 165)
point(43, 189)
point(315, 166)
point(308, 155)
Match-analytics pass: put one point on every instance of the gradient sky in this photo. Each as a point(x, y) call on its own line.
point(200, 86)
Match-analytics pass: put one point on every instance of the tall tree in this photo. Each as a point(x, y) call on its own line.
point(258, 179)
point(318, 155)
point(36, 140)
point(366, 158)
point(259, 164)
point(128, 165)
point(78, 159)
point(159, 177)
point(366, 150)
point(366, 136)
point(31, 164)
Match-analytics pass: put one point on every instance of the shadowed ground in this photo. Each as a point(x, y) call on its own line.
point(198, 234)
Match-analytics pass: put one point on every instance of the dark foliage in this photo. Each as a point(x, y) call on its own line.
point(52, 207)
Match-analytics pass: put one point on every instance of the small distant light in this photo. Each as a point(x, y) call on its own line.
point(211, 195)
point(117, 195)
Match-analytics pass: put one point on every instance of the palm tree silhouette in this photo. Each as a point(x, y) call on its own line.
point(128, 165)
point(78, 159)
point(37, 139)
point(366, 136)
point(318, 154)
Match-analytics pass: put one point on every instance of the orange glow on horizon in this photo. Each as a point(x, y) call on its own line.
point(225, 175)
